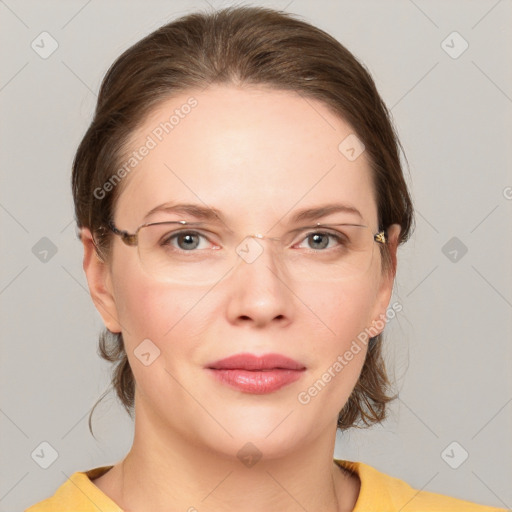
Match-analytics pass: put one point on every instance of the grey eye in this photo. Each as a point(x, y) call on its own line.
point(186, 241)
point(319, 240)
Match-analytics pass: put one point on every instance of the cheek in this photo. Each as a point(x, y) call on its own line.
point(159, 312)
point(345, 308)
point(173, 320)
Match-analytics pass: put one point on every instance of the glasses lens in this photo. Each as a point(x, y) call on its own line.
point(197, 256)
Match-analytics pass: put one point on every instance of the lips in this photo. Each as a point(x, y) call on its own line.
point(252, 362)
point(256, 374)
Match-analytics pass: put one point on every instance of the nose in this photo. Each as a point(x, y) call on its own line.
point(259, 287)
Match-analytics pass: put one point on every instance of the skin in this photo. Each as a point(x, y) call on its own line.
point(257, 155)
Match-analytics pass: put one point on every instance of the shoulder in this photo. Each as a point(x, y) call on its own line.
point(385, 493)
point(78, 493)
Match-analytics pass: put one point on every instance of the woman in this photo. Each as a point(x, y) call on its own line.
point(240, 201)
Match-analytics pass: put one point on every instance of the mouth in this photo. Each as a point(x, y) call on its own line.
point(256, 374)
point(253, 362)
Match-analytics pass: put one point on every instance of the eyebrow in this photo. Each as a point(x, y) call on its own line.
point(209, 213)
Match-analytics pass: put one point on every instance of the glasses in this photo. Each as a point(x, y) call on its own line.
point(197, 253)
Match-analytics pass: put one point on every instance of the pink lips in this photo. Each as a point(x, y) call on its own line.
point(257, 374)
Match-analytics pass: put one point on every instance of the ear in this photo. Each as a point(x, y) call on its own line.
point(100, 283)
point(387, 280)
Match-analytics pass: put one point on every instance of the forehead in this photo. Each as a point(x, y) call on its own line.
point(254, 153)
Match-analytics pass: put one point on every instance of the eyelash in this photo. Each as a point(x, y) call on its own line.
point(339, 237)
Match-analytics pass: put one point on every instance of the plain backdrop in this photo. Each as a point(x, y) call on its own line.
point(443, 68)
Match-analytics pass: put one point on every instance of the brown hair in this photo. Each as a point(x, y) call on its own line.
point(243, 46)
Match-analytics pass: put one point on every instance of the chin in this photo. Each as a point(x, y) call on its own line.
point(270, 435)
point(248, 447)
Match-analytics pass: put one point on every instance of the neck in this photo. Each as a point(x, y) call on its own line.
point(163, 469)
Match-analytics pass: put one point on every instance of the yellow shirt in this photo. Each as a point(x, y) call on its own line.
point(379, 493)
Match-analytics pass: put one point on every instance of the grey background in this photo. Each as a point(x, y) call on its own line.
point(450, 347)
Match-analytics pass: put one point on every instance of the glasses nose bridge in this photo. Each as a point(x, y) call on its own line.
point(264, 237)
point(251, 246)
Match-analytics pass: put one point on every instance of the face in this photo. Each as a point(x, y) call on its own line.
point(256, 155)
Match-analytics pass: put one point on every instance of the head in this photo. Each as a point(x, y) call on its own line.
point(242, 110)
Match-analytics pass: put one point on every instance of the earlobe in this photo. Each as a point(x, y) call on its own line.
point(387, 280)
point(393, 233)
point(100, 283)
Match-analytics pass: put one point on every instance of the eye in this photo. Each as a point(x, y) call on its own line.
point(186, 240)
point(320, 240)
